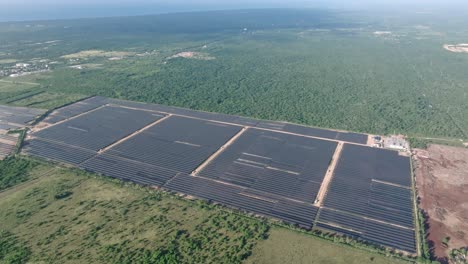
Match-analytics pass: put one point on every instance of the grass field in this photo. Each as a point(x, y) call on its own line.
point(68, 216)
point(286, 246)
point(26, 92)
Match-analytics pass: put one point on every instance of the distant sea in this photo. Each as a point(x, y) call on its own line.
point(52, 13)
point(28, 13)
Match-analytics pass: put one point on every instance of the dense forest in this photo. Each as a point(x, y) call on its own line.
point(354, 71)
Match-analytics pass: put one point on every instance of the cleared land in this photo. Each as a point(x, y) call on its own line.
point(193, 55)
point(28, 93)
point(442, 183)
point(97, 53)
point(285, 246)
point(459, 48)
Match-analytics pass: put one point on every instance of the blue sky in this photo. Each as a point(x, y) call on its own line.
point(56, 9)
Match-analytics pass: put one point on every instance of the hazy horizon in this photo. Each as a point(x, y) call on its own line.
point(27, 10)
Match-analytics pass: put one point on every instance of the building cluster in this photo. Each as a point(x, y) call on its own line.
point(20, 69)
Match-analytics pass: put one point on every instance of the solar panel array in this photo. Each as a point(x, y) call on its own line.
point(12, 117)
point(266, 168)
point(7, 144)
point(370, 193)
point(238, 197)
point(79, 139)
point(99, 128)
point(98, 101)
point(75, 109)
point(245, 121)
point(274, 163)
point(175, 145)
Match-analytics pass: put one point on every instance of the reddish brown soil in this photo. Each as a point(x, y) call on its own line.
point(442, 184)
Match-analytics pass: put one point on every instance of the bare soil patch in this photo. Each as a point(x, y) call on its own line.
point(193, 55)
point(442, 184)
point(379, 33)
point(7, 61)
point(459, 48)
point(97, 53)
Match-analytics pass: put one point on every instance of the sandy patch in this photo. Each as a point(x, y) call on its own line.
point(380, 33)
point(192, 55)
point(442, 184)
point(458, 48)
point(7, 61)
point(97, 53)
point(86, 66)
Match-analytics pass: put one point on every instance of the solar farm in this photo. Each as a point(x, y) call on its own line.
point(310, 177)
point(14, 118)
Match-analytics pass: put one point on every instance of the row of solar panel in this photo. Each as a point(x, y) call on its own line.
point(94, 102)
point(100, 128)
point(58, 152)
point(244, 121)
point(237, 197)
point(6, 149)
point(356, 185)
point(369, 198)
point(275, 163)
point(75, 109)
point(177, 143)
point(12, 117)
point(7, 144)
point(369, 230)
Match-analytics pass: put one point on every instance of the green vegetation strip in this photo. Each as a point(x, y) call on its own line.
point(14, 171)
point(12, 250)
point(68, 215)
point(21, 137)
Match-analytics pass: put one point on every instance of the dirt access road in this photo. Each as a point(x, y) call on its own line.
point(442, 184)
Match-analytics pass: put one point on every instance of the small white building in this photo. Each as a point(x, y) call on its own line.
point(396, 142)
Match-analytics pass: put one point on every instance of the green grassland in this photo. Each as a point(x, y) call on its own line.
point(58, 215)
point(321, 68)
point(286, 246)
point(29, 94)
point(62, 215)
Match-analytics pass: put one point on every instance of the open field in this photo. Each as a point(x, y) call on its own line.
point(68, 216)
point(285, 246)
point(26, 92)
point(96, 53)
point(192, 55)
point(442, 183)
point(459, 48)
point(7, 61)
